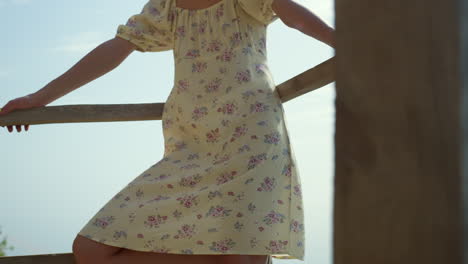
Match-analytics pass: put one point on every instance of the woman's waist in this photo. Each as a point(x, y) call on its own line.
point(227, 66)
point(219, 88)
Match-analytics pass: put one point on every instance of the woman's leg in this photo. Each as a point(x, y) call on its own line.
point(87, 251)
point(138, 257)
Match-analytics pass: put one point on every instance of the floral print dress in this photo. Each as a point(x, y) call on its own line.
point(228, 181)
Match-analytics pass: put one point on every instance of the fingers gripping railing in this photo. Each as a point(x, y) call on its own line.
point(305, 82)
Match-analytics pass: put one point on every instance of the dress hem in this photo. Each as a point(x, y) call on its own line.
point(116, 244)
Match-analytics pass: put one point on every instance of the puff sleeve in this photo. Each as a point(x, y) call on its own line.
point(151, 30)
point(260, 10)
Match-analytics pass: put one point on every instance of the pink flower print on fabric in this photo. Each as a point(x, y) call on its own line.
point(267, 185)
point(260, 68)
point(182, 86)
point(221, 159)
point(273, 218)
point(161, 177)
point(120, 234)
point(239, 132)
point(214, 46)
point(180, 31)
point(243, 76)
point(213, 86)
point(254, 161)
point(295, 226)
point(247, 94)
point(167, 123)
point(228, 108)
point(238, 226)
point(219, 12)
point(237, 197)
point(225, 177)
point(213, 136)
point(253, 242)
point(259, 107)
point(180, 145)
point(152, 246)
point(286, 170)
point(131, 217)
point(193, 156)
point(190, 166)
point(188, 200)
point(103, 222)
point(177, 214)
point(185, 231)
point(218, 211)
point(202, 26)
point(157, 198)
point(277, 246)
point(226, 56)
point(272, 138)
point(199, 112)
point(214, 194)
point(139, 194)
point(222, 245)
point(297, 190)
point(247, 50)
point(153, 221)
point(236, 39)
point(251, 207)
point(190, 181)
point(199, 67)
point(192, 53)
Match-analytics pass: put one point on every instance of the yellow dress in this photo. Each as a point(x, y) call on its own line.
point(228, 181)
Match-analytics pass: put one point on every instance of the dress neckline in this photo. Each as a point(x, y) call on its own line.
point(198, 9)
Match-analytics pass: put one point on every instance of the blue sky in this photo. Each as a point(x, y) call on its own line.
point(54, 178)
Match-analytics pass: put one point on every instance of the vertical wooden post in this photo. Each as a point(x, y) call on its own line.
point(463, 10)
point(401, 130)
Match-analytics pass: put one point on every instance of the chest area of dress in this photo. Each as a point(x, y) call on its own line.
point(213, 31)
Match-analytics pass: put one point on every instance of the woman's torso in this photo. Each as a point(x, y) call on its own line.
point(220, 69)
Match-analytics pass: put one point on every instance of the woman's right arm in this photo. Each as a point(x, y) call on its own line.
point(96, 63)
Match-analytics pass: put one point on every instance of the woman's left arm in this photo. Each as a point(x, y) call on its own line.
point(297, 16)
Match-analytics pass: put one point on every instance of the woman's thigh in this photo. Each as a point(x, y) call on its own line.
point(129, 256)
point(85, 248)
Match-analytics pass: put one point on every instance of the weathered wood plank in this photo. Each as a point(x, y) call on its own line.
point(307, 81)
point(310, 80)
point(64, 258)
point(84, 113)
point(397, 142)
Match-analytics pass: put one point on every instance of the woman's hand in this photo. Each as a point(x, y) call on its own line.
point(24, 102)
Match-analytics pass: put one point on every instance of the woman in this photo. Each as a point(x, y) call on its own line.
point(227, 189)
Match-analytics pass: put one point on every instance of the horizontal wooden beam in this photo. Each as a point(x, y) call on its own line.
point(310, 80)
point(84, 113)
point(305, 82)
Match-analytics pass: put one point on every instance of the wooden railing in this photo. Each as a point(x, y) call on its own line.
point(305, 82)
